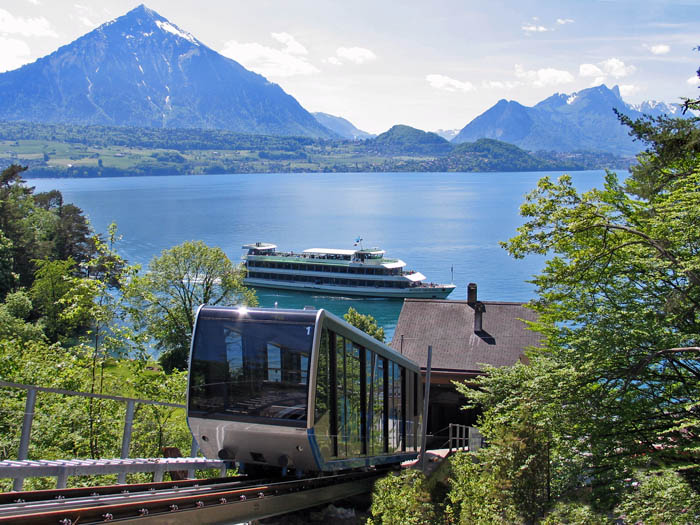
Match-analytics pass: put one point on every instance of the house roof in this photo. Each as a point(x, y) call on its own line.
point(449, 327)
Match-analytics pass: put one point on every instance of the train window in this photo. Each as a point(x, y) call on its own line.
point(341, 406)
point(234, 352)
point(375, 404)
point(243, 367)
point(323, 395)
point(353, 397)
point(395, 415)
point(274, 363)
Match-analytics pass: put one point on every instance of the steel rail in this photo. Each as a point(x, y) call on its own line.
point(81, 492)
point(213, 503)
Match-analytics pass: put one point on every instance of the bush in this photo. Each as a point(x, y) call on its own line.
point(474, 495)
point(660, 497)
point(573, 512)
point(402, 498)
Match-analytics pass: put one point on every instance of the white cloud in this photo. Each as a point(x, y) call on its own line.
point(589, 70)
point(543, 77)
point(13, 53)
point(564, 21)
point(357, 55)
point(449, 84)
point(333, 60)
point(15, 25)
point(612, 67)
point(616, 68)
point(271, 62)
point(86, 21)
point(83, 16)
point(693, 81)
point(293, 47)
point(534, 28)
point(501, 84)
point(658, 49)
point(34, 2)
point(628, 89)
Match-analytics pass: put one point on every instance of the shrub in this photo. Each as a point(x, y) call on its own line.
point(573, 512)
point(474, 495)
point(401, 499)
point(660, 497)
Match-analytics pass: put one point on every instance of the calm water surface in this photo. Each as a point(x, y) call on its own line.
point(435, 222)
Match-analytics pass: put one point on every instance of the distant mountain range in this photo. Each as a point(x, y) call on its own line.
point(447, 134)
point(142, 70)
point(581, 121)
point(344, 128)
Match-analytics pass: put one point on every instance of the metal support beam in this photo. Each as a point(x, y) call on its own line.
point(194, 449)
point(126, 437)
point(26, 433)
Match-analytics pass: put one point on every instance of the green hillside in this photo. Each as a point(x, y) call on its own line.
point(55, 150)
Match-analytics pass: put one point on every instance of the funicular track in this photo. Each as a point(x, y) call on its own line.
point(191, 502)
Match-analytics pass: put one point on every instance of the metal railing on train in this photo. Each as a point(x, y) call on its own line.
point(120, 468)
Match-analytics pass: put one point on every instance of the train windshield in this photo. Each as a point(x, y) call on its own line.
point(248, 367)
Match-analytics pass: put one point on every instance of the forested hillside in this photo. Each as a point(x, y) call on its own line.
point(53, 150)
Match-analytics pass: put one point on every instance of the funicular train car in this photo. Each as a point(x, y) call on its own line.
point(299, 389)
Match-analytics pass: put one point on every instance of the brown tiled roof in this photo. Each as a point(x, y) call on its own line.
point(449, 327)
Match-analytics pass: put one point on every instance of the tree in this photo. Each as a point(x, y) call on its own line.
point(8, 278)
point(619, 303)
point(54, 291)
point(14, 314)
point(365, 322)
point(177, 282)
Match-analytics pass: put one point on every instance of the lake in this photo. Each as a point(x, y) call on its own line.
point(441, 224)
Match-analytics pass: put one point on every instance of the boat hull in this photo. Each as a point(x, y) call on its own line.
point(418, 292)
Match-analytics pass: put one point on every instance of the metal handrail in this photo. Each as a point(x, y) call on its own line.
point(128, 421)
point(9, 384)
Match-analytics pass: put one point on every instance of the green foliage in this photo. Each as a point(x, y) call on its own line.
point(13, 319)
point(474, 494)
point(8, 278)
point(574, 512)
point(35, 227)
point(62, 299)
point(660, 498)
point(366, 323)
point(181, 279)
point(402, 498)
point(615, 385)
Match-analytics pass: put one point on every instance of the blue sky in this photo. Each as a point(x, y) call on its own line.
point(430, 65)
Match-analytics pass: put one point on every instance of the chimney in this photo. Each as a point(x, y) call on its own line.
point(471, 294)
point(479, 310)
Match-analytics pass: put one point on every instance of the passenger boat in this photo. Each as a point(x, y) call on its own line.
point(358, 272)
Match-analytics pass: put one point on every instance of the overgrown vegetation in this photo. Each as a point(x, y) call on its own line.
point(74, 315)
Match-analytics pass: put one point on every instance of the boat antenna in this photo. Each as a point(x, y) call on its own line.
point(452, 271)
point(358, 240)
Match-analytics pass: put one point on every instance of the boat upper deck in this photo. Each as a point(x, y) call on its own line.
point(333, 257)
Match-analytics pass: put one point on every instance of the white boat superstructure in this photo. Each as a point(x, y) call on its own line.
point(357, 272)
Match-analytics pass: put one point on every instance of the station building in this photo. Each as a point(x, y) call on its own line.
point(465, 336)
